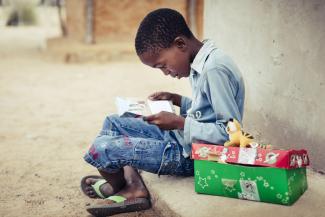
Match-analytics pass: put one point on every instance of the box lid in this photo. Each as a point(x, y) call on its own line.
point(251, 156)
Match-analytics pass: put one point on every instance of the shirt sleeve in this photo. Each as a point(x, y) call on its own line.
point(185, 105)
point(220, 91)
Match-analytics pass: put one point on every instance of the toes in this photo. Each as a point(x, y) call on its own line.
point(92, 195)
point(88, 188)
point(90, 181)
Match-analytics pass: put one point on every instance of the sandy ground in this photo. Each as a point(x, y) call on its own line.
point(49, 115)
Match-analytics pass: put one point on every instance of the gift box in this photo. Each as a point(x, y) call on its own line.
point(252, 156)
point(248, 180)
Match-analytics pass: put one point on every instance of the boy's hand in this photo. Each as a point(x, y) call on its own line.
point(175, 98)
point(166, 120)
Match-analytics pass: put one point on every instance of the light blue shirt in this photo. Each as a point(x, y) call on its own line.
point(218, 94)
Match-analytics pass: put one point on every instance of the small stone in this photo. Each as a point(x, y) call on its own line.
point(321, 172)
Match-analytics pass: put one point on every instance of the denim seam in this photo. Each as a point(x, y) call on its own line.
point(126, 127)
point(109, 133)
point(112, 163)
point(89, 159)
point(163, 158)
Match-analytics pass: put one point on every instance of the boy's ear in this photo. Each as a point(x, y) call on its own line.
point(180, 43)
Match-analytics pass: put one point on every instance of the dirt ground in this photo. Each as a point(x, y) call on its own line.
point(50, 113)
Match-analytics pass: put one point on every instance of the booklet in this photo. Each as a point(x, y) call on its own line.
point(133, 107)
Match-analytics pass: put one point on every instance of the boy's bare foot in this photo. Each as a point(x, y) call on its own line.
point(130, 191)
point(133, 195)
point(106, 189)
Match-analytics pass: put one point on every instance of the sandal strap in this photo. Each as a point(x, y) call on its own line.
point(116, 198)
point(97, 186)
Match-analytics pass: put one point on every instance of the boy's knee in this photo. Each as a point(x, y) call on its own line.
point(98, 151)
point(98, 147)
point(106, 147)
point(106, 155)
point(94, 151)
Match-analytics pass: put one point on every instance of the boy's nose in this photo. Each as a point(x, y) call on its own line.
point(166, 72)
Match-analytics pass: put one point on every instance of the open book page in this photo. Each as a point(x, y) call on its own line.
point(160, 105)
point(130, 107)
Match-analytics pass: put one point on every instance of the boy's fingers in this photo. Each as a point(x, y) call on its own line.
point(149, 118)
point(155, 122)
point(154, 96)
point(159, 96)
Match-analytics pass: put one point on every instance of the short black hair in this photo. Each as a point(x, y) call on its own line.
point(159, 29)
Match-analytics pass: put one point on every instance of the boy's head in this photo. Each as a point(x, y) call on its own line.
point(163, 41)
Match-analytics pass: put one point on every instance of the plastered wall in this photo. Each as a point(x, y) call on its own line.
point(280, 48)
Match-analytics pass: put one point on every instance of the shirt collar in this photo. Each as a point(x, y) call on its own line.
point(201, 56)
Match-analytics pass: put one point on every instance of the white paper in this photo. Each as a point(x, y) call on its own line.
point(142, 107)
point(130, 105)
point(159, 106)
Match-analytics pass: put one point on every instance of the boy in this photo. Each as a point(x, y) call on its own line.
point(161, 143)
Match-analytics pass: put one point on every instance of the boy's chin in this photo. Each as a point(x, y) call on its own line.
point(183, 75)
point(179, 76)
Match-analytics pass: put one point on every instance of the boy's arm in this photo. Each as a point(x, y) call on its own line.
point(220, 92)
point(185, 105)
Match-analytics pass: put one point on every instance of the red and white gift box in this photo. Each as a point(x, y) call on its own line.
point(279, 158)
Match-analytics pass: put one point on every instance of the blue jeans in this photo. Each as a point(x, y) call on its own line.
point(132, 141)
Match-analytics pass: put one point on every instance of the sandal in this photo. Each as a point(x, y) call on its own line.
point(95, 186)
point(120, 205)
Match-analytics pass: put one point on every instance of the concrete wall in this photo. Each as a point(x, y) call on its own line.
point(76, 19)
point(119, 20)
point(280, 48)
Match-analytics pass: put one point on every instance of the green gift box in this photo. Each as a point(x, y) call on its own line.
point(266, 184)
